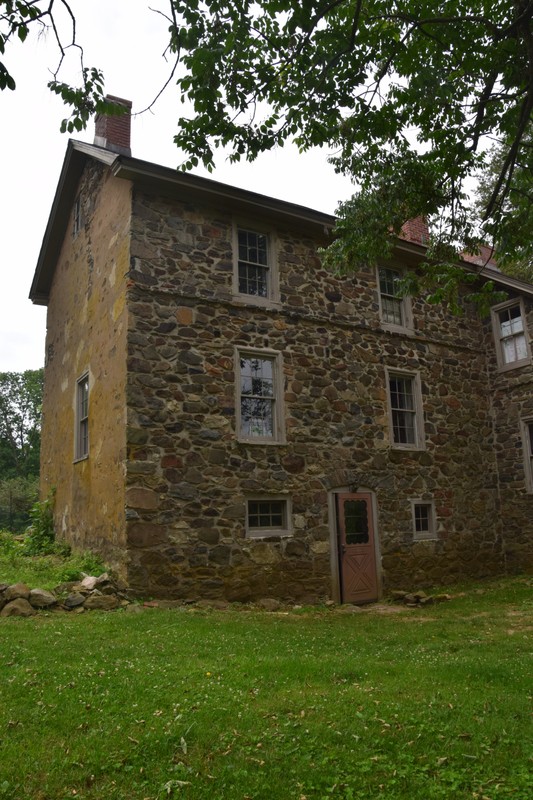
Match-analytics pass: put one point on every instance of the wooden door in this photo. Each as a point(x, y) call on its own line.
point(357, 551)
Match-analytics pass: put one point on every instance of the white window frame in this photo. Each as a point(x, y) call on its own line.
point(272, 295)
point(278, 421)
point(404, 303)
point(499, 338)
point(416, 412)
point(81, 433)
point(431, 532)
point(526, 425)
point(260, 532)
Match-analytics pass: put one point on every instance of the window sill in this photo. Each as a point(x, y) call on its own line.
point(268, 442)
point(398, 329)
point(81, 458)
point(251, 300)
point(524, 362)
point(408, 448)
point(273, 535)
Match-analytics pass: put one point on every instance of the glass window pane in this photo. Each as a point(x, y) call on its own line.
point(253, 272)
point(268, 514)
point(356, 522)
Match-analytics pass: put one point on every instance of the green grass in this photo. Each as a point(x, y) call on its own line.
point(428, 704)
point(42, 571)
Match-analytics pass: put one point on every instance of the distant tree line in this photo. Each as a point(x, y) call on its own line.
point(20, 442)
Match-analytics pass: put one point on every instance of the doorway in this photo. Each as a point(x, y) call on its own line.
point(356, 548)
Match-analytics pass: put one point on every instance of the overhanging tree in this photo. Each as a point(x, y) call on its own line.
point(407, 93)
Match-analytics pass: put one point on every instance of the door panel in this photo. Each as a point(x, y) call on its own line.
point(357, 551)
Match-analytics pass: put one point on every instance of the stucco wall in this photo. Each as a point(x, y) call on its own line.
point(188, 476)
point(87, 333)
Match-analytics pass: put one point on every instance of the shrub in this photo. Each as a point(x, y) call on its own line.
point(40, 538)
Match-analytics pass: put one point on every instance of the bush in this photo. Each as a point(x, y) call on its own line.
point(41, 536)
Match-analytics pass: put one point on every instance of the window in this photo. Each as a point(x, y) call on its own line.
point(395, 311)
point(77, 221)
point(268, 517)
point(527, 441)
point(423, 519)
point(255, 277)
point(82, 418)
point(258, 403)
point(512, 345)
point(405, 410)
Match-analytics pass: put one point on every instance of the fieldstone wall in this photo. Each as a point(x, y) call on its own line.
point(512, 393)
point(188, 476)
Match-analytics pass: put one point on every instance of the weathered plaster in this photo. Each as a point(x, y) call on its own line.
point(87, 324)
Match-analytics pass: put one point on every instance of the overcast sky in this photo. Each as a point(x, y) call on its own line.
point(126, 40)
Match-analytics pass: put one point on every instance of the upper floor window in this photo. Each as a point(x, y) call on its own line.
point(82, 418)
point(395, 310)
point(77, 216)
point(405, 410)
point(255, 276)
point(259, 383)
point(510, 332)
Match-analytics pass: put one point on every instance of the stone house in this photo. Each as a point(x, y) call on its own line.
point(223, 418)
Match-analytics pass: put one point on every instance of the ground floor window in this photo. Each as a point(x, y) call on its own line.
point(527, 442)
point(268, 517)
point(423, 512)
point(81, 449)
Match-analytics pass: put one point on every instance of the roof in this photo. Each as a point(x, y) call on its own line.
point(177, 184)
point(164, 180)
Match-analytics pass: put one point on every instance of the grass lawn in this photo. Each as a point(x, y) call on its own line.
point(312, 704)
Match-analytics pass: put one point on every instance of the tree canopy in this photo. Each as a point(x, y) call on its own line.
point(409, 94)
point(20, 423)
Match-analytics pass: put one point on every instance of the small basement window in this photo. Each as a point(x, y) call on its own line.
point(267, 517)
point(424, 526)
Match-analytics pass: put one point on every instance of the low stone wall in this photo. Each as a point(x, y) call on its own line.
point(104, 594)
point(19, 600)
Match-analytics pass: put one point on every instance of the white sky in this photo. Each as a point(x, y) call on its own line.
point(126, 40)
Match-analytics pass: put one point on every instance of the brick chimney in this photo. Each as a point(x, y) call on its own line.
point(416, 230)
point(113, 133)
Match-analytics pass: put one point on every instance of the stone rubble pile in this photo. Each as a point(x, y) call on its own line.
point(18, 600)
point(106, 594)
point(419, 598)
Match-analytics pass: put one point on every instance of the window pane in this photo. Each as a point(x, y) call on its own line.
point(401, 390)
point(257, 396)
point(512, 337)
point(253, 280)
point(422, 519)
point(356, 521)
point(391, 306)
point(388, 279)
point(253, 273)
point(391, 310)
point(403, 424)
point(403, 411)
point(257, 417)
point(82, 422)
point(268, 514)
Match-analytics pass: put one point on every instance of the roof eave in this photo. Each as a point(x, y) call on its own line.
point(73, 164)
